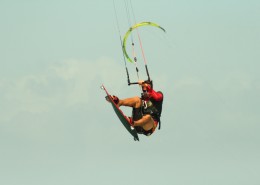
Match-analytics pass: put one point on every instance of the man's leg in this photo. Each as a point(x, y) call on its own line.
point(146, 122)
point(134, 102)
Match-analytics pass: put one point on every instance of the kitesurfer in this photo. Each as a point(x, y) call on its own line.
point(146, 109)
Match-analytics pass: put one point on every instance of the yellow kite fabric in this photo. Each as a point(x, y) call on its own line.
point(129, 32)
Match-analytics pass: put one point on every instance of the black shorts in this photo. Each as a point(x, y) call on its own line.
point(137, 113)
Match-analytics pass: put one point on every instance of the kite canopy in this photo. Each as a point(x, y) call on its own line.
point(129, 32)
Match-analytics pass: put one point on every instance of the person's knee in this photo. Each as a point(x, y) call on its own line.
point(138, 102)
point(147, 117)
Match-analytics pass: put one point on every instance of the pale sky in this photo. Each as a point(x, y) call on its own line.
point(57, 129)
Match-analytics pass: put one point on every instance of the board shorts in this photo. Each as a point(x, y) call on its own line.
point(137, 114)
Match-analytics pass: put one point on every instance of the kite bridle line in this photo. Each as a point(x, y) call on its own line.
point(132, 39)
point(141, 46)
point(121, 43)
point(140, 42)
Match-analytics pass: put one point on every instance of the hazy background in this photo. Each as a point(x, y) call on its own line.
point(57, 129)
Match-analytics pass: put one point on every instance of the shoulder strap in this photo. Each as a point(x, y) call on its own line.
point(159, 122)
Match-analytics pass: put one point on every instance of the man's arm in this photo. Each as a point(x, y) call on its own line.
point(157, 96)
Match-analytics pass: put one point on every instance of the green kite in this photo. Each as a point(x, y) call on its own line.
point(131, 29)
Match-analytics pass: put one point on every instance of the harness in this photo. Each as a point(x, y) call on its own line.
point(138, 114)
point(151, 107)
point(154, 108)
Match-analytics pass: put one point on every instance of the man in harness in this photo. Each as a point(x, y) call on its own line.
point(147, 109)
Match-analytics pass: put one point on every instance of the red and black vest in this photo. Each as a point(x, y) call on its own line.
point(154, 108)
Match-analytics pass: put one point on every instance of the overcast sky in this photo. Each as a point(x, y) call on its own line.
point(57, 129)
